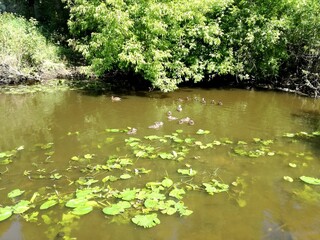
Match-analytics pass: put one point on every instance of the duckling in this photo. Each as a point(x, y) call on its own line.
point(169, 113)
point(159, 123)
point(191, 122)
point(132, 131)
point(156, 125)
point(184, 120)
point(179, 108)
point(172, 118)
point(115, 99)
point(203, 101)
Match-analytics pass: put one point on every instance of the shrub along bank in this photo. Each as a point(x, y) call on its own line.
point(170, 43)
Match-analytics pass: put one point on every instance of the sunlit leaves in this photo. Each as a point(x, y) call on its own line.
point(215, 187)
point(5, 213)
point(177, 193)
point(146, 221)
point(189, 172)
point(117, 208)
point(288, 178)
point(202, 132)
point(15, 193)
point(48, 204)
point(310, 180)
point(82, 210)
point(21, 207)
point(167, 182)
point(128, 194)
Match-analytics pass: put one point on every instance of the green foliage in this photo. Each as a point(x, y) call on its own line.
point(146, 221)
point(23, 47)
point(168, 42)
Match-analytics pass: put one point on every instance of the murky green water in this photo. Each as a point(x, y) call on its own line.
point(260, 204)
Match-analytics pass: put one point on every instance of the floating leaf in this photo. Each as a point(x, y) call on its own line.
point(75, 158)
point(15, 193)
point(189, 172)
point(128, 194)
point(202, 132)
point(287, 178)
point(167, 182)
point(151, 203)
point(183, 210)
point(21, 207)
point(76, 202)
point(82, 210)
point(5, 213)
point(146, 221)
point(177, 193)
point(289, 135)
point(48, 204)
point(310, 180)
point(113, 130)
point(125, 176)
point(293, 165)
point(117, 208)
point(215, 187)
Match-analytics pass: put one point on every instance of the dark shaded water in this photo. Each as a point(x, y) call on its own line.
point(262, 206)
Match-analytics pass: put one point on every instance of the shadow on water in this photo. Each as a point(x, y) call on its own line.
point(14, 232)
point(274, 230)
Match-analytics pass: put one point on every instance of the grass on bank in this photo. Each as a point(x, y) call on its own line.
point(24, 48)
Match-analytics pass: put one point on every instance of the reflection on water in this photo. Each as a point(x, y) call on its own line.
point(13, 232)
point(75, 124)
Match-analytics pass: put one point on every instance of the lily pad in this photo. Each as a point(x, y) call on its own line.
point(21, 207)
point(167, 182)
point(310, 180)
point(82, 210)
point(5, 213)
point(15, 193)
point(48, 204)
point(146, 221)
point(117, 208)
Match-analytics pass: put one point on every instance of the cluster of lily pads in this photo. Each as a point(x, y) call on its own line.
point(98, 185)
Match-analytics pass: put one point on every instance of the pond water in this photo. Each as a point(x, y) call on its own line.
point(62, 140)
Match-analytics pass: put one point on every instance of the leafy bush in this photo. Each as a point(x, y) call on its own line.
point(23, 47)
point(169, 42)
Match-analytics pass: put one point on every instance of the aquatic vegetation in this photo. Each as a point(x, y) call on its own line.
point(121, 184)
point(310, 180)
point(146, 221)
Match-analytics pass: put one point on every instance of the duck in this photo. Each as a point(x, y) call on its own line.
point(169, 113)
point(213, 101)
point(172, 118)
point(184, 120)
point(115, 99)
point(191, 122)
point(220, 103)
point(156, 125)
point(132, 131)
point(179, 108)
point(203, 101)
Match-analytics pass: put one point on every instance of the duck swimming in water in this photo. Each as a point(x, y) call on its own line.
point(115, 99)
point(172, 118)
point(132, 131)
point(191, 122)
point(156, 125)
point(184, 120)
